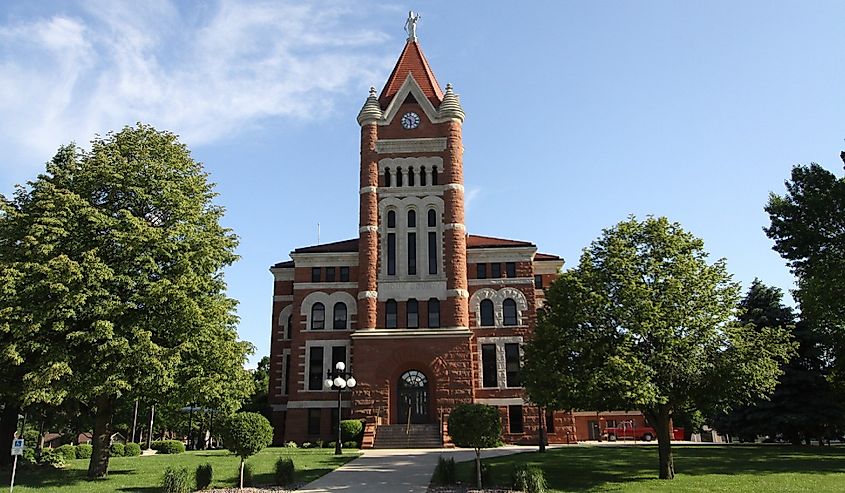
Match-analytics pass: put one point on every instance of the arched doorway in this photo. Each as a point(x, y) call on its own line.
point(412, 393)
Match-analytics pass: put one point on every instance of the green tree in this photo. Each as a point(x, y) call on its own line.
point(245, 434)
point(112, 285)
point(645, 322)
point(475, 426)
point(258, 401)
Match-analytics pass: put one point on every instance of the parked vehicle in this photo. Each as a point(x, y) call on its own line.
point(629, 431)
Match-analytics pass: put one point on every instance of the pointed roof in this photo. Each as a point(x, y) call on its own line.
point(412, 61)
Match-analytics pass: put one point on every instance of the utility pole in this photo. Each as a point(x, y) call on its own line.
point(135, 421)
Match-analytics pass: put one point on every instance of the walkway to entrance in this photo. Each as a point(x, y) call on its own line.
point(395, 470)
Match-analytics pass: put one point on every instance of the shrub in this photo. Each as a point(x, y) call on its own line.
point(52, 457)
point(285, 471)
point(249, 474)
point(168, 446)
point(68, 452)
point(176, 480)
point(329, 444)
point(307, 445)
point(84, 451)
point(351, 430)
point(350, 444)
point(132, 450)
point(204, 475)
point(529, 479)
point(444, 473)
point(321, 444)
point(291, 445)
point(29, 455)
point(117, 449)
point(485, 475)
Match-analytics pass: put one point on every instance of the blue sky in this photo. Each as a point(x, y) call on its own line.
point(578, 113)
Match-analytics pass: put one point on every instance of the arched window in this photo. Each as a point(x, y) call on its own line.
point(339, 316)
point(318, 316)
point(422, 176)
point(434, 313)
point(434, 175)
point(509, 312)
point(390, 314)
point(432, 218)
point(412, 218)
point(391, 244)
point(487, 313)
point(288, 328)
point(391, 219)
point(412, 243)
point(386, 177)
point(410, 177)
point(398, 177)
point(412, 314)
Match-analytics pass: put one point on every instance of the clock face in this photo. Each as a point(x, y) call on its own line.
point(410, 120)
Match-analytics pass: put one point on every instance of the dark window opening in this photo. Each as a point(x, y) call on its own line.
point(495, 271)
point(314, 421)
point(330, 272)
point(487, 313)
point(422, 177)
point(318, 316)
point(387, 177)
point(432, 218)
point(412, 314)
point(287, 375)
point(410, 177)
point(512, 365)
point(339, 316)
point(391, 254)
point(434, 175)
point(338, 355)
point(315, 274)
point(515, 419)
point(432, 253)
point(489, 374)
point(509, 312)
point(434, 313)
point(288, 330)
point(412, 219)
point(538, 281)
point(315, 368)
point(390, 314)
point(510, 269)
point(412, 253)
point(398, 177)
point(344, 274)
point(481, 271)
point(391, 219)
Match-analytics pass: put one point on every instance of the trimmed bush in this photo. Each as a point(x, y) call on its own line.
point(529, 479)
point(291, 445)
point(351, 430)
point(444, 473)
point(84, 451)
point(329, 444)
point(176, 480)
point(321, 444)
point(132, 450)
point(117, 449)
point(249, 474)
point(53, 458)
point(285, 471)
point(307, 445)
point(68, 452)
point(245, 434)
point(168, 446)
point(204, 476)
point(350, 444)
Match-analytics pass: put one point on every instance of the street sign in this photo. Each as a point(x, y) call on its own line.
point(17, 446)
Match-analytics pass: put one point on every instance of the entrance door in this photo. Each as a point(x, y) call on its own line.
point(594, 431)
point(412, 393)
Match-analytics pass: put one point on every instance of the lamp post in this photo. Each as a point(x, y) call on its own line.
point(339, 379)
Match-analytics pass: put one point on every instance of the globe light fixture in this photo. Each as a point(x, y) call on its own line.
point(339, 379)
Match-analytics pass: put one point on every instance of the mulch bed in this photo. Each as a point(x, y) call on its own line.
point(262, 489)
point(466, 489)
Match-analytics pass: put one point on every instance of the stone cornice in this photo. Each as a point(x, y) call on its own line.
point(411, 333)
point(402, 146)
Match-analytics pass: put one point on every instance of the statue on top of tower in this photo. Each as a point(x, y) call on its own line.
point(411, 25)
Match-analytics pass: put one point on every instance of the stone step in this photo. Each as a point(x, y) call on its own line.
point(404, 436)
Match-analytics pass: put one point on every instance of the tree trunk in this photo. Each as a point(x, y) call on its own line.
point(478, 467)
point(661, 420)
point(98, 466)
point(8, 427)
point(242, 473)
point(150, 430)
point(40, 447)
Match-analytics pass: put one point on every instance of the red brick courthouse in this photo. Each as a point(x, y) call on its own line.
point(424, 314)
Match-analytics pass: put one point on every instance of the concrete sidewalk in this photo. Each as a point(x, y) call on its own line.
point(395, 470)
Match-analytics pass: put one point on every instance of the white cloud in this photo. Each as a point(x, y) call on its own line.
point(203, 72)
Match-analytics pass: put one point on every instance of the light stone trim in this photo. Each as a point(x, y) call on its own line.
point(501, 361)
point(282, 274)
point(548, 266)
point(604, 413)
point(505, 254)
point(405, 290)
point(457, 293)
point(453, 186)
point(328, 301)
point(367, 294)
point(368, 229)
point(511, 401)
point(326, 344)
point(410, 86)
point(279, 407)
point(504, 281)
point(498, 297)
point(283, 317)
point(364, 190)
point(327, 259)
point(402, 146)
point(411, 333)
point(326, 404)
point(283, 297)
point(421, 205)
point(458, 226)
point(325, 285)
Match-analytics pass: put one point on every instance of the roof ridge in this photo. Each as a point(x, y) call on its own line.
point(412, 61)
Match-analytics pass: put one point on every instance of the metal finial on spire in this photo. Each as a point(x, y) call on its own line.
point(372, 92)
point(411, 25)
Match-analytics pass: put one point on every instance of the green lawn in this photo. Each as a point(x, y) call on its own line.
point(144, 474)
point(698, 469)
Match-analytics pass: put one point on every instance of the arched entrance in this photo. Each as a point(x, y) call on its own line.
point(413, 398)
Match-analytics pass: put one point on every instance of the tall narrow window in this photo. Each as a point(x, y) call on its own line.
point(509, 312)
point(391, 219)
point(315, 368)
point(344, 274)
point(386, 177)
point(538, 281)
point(410, 177)
point(412, 254)
point(288, 329)
point(391, 254)
point(318, 316)
point(314, 421)
point(496, 270)
point(487, 313)
point(512, 365)
point(412, 218)
point(330, 272)
point(338, 355)
point(285, 384)
point(481, 271)
point(422, 176)
point(315, 274)
point(432, 252)
point(390, 314)
point(432, 218)
point(412, 313)
point(434, 313)
point(489, 373)
point(510, 269)
point(434, 175)
point(398, 177)
point(515, 419)
point(339, 316)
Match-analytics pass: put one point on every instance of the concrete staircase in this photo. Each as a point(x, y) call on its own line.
point(404, 436)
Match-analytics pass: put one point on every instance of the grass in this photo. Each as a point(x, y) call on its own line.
point(144, 474)
point(697, 469)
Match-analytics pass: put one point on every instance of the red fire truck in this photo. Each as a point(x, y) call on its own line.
point(628, 430)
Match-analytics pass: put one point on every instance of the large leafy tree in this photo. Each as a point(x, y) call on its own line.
point(112, 282)
point(645, 322)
